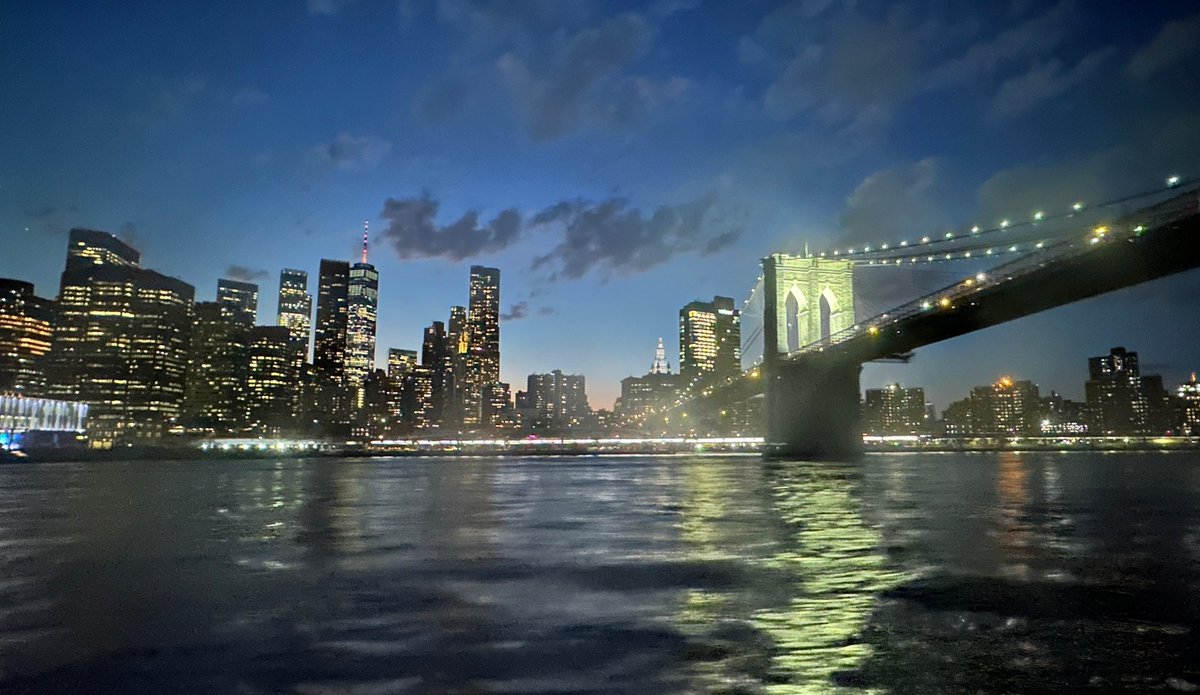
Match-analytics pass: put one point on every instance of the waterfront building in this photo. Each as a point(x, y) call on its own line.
point(362, 314)
point(554, 401)
point(218, 360)
point(272, 378)
point(958, 419)
point(400, 362)
point(498, 406)
point(1123, 401)
point(417, 398)
point(121, 341)
point(643, 396)
point(329, 345)
point(25, 336)
point(710, 340)
point(238, 300)
point(458, 341)
point(482, 363)
point(1006, 407)
point(1063, 416)
point(1189, 397)
point(295, 310)
point(433, 355)
point(894, 410)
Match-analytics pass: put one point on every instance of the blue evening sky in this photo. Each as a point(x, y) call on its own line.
point(614, 159)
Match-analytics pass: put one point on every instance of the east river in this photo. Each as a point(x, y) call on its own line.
point(903, 573)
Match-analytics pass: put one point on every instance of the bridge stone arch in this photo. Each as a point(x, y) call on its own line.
point(806, 299)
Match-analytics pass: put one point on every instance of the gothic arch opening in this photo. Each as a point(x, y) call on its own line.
point(795, 311)
point(829, 307)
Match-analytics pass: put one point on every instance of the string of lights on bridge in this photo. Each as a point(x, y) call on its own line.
point(921, 250)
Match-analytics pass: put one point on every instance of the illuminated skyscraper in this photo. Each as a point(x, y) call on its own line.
point(25, 334)
point(1121, 399)
point(295, 309)
point(329, 347)
point(1006, 407)
point(400, 363)
point(483, 354)
point(238, 300)
point(555, 400)
point(88, 247)
point(215, 397)
point(458, 341)
point(1189, 396)
point(362, 312)
point(271, 379)
point(121, 341)
point(710, 341)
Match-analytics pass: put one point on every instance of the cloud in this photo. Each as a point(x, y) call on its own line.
point(249, 96)
point(441, 100)
point(1029, 39)
point(413, 232)
point(349, 153)
point(244, 274)
point(546, 311)
point(896, 203)
point(611, 237)
point(1176, 41)
point(516, 312)
point(326, 7)
point(1044, 81)
point(552, 91)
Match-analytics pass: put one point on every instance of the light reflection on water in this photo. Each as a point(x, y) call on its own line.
point(902, 573)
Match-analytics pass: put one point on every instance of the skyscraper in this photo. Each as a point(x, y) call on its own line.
point(458, 341)
point(433, 355)
point(25, 335)
point(556, 400)
point(329, 346)
point(483, 355)
point(295, 309)
point(400, 362)
point(215, 397)
point(88, 247)
point(121, 340)
point(1122, 401)
point(362, 312)
point(1006, 407)
point(271, 379)
point(1189, 396)
point(710, 341)
point(238, 300)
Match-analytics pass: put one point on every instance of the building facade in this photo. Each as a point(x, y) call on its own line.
point(25, 337)
point(215, 395)
point(1123, 401)
point(894, 410)
point(710, 341)
point(482, 363)
point(272, 377)
point(329, 344)
point(238, 300)
point(295, 310)
point(554, 401)
point(362, 315)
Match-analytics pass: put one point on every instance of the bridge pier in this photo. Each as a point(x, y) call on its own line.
point(813, 408)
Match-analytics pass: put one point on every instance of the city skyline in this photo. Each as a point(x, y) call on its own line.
point(453, 129)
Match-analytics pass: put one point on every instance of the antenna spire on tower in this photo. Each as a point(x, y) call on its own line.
point(365, 223)
point(660, 365)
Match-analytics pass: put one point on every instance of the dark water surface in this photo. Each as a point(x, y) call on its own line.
point(924, 573)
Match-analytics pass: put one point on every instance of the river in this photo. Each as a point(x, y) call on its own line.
point(902, 573)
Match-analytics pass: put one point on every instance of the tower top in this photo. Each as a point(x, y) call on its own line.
point(364, 256)
point(660, 365)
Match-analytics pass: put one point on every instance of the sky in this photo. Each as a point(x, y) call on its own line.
point(615, 160)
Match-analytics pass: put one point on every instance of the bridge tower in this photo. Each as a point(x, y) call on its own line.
point(812, 403)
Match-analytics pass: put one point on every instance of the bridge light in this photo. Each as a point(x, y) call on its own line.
point(904, 243)
point(884, 247)
point(1139, 229)
point(873, 330)
point(1101, 230)
point(836, 252)
point(1037, 216)
point(967, 254)
point(925, 304)
point(944, 302)
point(975, 229)
point(1173, 181)
point(1040, 244)
point(1012, 249)
point(947, 256)
point(980, 277)
point(1004, 224)
point(924, 240)
point(949, 235)
point(1077, 206)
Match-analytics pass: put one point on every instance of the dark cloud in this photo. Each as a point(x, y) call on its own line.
point(516, 312)
point(611, 237)
point(1013, 45)
point(1174, 42)
point(895, 204)
point(546, 311)
point(244, 274)
point(414, 233)
point(128, 233)
point(350, 153)
point(1044, 81)
point(441, 100)
point(552, 90)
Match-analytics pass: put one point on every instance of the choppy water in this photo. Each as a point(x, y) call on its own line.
point(994, 573)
